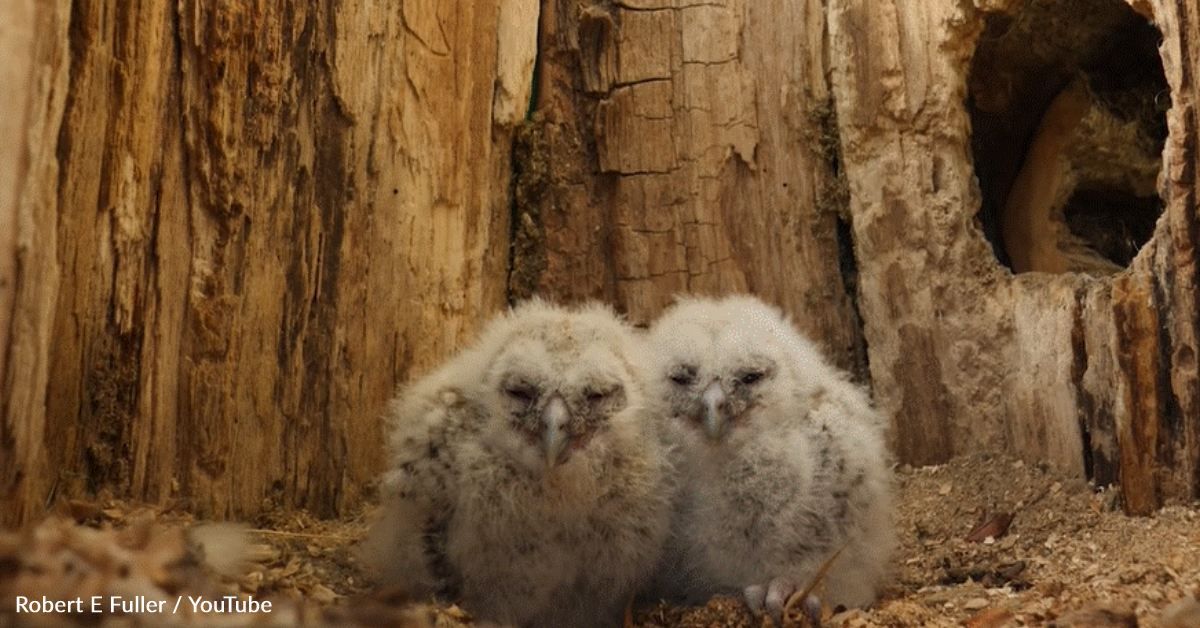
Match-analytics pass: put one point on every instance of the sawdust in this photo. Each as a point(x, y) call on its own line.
point(1046, 550)
point(1069, 548)
point(1067, 557)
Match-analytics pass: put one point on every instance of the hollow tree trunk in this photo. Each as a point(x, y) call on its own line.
point(687, 139)
point(227, 229)
point(1096, 374)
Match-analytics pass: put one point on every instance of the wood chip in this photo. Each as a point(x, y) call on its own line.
point(991, 618)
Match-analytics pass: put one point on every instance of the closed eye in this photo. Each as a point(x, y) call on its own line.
point(523, 394)
point(595, 396)
point(683, 375)
point(751, 377)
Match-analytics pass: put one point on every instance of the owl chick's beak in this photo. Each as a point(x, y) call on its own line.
point(714, 415)
point(555, 438)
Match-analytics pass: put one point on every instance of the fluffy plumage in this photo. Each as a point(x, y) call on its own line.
point(527, 480)
point(783, 460)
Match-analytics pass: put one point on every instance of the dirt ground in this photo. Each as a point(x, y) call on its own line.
point(1068, 557)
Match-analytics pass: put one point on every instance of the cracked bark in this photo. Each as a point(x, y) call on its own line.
point(686, 157)
point(228, 230)
point(1095, 374)
point(244, 226)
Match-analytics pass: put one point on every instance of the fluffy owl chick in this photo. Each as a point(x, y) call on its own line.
point(783, 461)
point(528, 482)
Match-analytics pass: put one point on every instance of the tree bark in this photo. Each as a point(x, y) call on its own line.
point(264, 221)
point(691, 149)
point(1094, 374)
point(33, 46)
point(686, 140)
point(229, 229)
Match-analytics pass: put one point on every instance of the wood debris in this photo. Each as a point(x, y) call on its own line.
point(147, 573)
point(1070, 552)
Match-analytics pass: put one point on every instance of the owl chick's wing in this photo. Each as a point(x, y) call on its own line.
point(406, 545)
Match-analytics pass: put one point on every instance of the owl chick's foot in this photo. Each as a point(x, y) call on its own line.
point(773, 597)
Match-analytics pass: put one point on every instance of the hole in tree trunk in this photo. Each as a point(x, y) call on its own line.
point(1068, 107)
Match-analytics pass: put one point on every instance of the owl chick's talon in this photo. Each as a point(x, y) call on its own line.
point(778, 592)
point(755, 596)
point(769, 599)
point(812, 610)
point(808, 617)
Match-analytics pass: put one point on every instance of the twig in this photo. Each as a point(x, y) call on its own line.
point(303, 535)
point(816, 579)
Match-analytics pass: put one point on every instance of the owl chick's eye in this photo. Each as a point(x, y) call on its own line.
point(751, 377)
point(601, 394)
point(522, 393)
point(683, 375)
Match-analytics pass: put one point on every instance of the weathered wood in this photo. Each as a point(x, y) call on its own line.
point(689, 151)
point(936, 332)
point(33, 47)
point(267, 216)
point(1045, 355)
point(1096, 375)
point(1176, 261)
point(1135, 315)
point(1028, 217)
point(227, 230)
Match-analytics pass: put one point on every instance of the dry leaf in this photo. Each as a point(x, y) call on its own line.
point(994, 526)
point(990, 618)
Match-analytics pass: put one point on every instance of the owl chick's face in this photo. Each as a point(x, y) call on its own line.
point(559, 385)
point(722, 367)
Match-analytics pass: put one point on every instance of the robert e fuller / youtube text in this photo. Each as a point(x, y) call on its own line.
point(140, 604)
